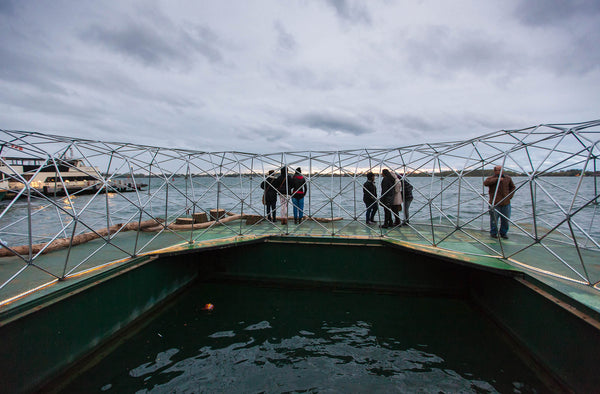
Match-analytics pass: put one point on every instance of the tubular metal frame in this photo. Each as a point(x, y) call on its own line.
point(555, 216)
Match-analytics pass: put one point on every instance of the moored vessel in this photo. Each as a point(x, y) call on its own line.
point(56, 177)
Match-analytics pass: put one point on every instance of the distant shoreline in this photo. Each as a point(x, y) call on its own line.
point(443, 174)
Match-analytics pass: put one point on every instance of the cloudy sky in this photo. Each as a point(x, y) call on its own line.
point(269, 76)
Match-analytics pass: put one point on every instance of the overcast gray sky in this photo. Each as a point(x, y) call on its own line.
point(268, 76)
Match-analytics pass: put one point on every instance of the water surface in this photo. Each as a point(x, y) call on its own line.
point(280, 340)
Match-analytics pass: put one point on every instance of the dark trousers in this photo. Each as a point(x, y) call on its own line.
point(371, 211)
point(396, 211)
point(387, 213)
point(406, 208)
point(271, 210)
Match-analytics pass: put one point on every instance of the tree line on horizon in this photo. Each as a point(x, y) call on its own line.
point(448, 173)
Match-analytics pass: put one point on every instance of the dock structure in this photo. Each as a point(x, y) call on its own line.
point(200, 202)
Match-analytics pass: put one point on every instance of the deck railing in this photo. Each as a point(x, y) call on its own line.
point(143, 198)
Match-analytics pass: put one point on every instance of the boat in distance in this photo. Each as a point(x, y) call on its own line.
point(57, 177)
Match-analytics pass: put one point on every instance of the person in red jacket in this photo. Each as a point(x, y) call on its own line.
point(298, 193)
point(501, 189)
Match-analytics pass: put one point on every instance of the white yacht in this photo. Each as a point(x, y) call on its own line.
point(57, 177)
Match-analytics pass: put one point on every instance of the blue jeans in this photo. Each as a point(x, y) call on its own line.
point(298, 204)
point(499, 213)
point(371, 211)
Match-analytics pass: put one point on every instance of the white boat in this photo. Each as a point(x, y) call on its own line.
point(55, 177)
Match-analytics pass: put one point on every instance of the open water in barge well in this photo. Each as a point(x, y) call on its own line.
point(259, 339)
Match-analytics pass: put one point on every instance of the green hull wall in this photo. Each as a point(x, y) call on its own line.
point(44, 337)
point(560, 335)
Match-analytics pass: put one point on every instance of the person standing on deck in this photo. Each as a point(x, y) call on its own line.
point(387, 197)
point(270, 196)
point(370, 198)
point(397, 204)
point(284, 187)
point(407, 197)
point(299, 191)
point(501, 189)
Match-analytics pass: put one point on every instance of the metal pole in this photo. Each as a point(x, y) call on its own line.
point(441, 190)
point(30, 234)
point(167, 203)
point(219, 190)
point(595, 181)
point(341, 173)
point(309, 182)
point(458, 202)
point(62, 277)
point(331, 208)
point(532, 190)
point(354, 190)
point(106, 192)
point(240, 232)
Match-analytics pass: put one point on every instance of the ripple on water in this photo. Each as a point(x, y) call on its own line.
point(264, 340)
point(341, 358)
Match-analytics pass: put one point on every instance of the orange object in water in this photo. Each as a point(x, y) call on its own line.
point(208, 307)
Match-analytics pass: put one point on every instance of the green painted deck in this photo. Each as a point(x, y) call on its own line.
point(466, 246)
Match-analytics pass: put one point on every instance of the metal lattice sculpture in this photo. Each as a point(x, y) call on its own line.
point(72, 205)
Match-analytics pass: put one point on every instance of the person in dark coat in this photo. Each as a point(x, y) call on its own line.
point(387, 197)
point(270, 196)
point(283, 183)
point(370, 198)
point(298, 193)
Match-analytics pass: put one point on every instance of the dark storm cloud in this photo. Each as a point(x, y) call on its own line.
point(268, 134)
point(418, 123)
point(67, 79)
point(544, 12)
point(285, 41)
point(441, 52)
point(7, 7)
point(333, 123)
point(576, 21)
point(414, 126)
point(306, 78)
point(47, 104)
point(155, 46)
point(581, 57)
point(381, 73)
point(28, 69)
point(352, 11)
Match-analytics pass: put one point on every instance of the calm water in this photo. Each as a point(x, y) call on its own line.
point(277, 340)
point(435, 200)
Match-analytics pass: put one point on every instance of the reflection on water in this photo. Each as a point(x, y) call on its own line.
point(277, 340)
